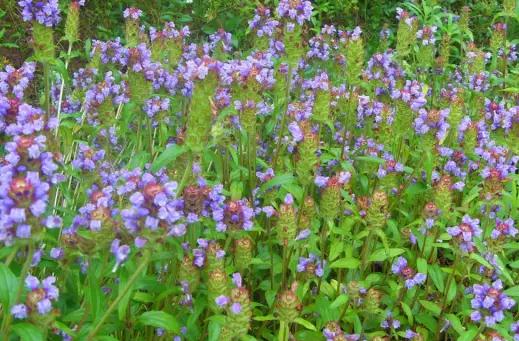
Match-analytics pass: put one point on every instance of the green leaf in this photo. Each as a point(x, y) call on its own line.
point(167, 156)
point(339, 301)
point(335, 250)
point(455, 323)
point(277, 181)
point(213, 330)
point(480, 260)
point(408, 312)
point(160, 319)
point(421, 265)
point(469, 335)
point(513, 291)
point(305, 323)
point(437, 277)
point(451, 294)
point(28, 332)
point(8, 285)
point(346, 263)
point(431, 306)
point(381, 255)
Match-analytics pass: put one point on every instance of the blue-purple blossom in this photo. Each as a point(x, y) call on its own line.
point(411, 277)
point(490, 303)
point(297, 10)
point(465, 232)
point(312, 265)
point(45, 12)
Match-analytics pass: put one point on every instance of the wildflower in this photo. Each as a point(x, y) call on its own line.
point(45, 12)
point(311, 265)
point(412, 278)
point(490, 303)
point(465, 232)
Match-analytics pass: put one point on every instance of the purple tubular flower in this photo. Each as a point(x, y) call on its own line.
point(514, 328)
point(222, 301)
point(298, 10)
point(465, 232)
point(312, 265)
point(39, 299)
point(390, 322)
point(45, 12)
point(433, 119)
point(411, 277)
point(412, 93)
point(504, 228)
point(236, 308)
point(13, 82)
point(132, 13)
point(303, 234)
point(236, 279)
point(87, 158)
point(490, 303)
point(19, 311)
point(56, 253)
point(120, 252)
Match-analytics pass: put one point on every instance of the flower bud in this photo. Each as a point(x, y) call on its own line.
point(288, 306)
point(286, 225)
point(243, 253)
point(331, 199)
point(43, 43)
point(372, 301)
point(308, 212)
point(443, 194)
point(307, 154)
point(217, 285)
point(189, 273)
point(72, 23)
point(377, 211)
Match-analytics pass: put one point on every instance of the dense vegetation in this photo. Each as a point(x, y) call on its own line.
point(228, 170)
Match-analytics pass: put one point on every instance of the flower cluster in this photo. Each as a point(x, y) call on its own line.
point(44, 12)
point(489, 303)
point(411, 277)
point(39, 299)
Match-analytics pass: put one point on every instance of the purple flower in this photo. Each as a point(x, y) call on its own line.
point(426, 34)
point(222, 301)
point(56, 253)
point(14, 82)
point(132, 13)
point(39, 299)
point(390, 322)
point(45, 12)
point(489, 303)
point(19, 311)
point(236, 279)
point(236, 308)
point(312, 265)
point(465, 232)
point(120, 252)
point(87, 159)
point(504, 228)
point(298, 10)
point(514, 328)
point(411, 277)
point(303, 234)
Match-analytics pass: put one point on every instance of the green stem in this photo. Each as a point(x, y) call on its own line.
point(283, 331)
point(6, 324)
point(142, 266)
point(185, 177)
point(446, 293)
